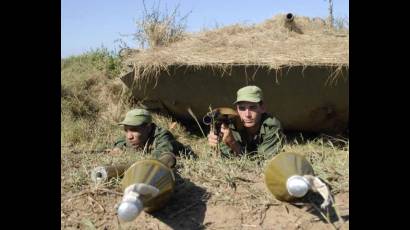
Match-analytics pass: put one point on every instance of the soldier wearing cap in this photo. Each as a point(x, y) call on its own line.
point(141, 133)
point(261, 133)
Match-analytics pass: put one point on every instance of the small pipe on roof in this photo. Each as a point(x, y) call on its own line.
point(289, 17)
point(290, 24)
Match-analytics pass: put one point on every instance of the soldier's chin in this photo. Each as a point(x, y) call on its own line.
point(249, 124)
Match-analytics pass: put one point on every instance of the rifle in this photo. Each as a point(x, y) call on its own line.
point(223, 115)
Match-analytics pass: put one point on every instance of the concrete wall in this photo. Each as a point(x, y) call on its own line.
point(311, 98)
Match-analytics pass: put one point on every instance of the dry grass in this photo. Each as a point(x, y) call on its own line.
point(156, 28)
point(329, 157)
point(268, 44)
point(87, 134)
point(92, 100)
point(228, 182)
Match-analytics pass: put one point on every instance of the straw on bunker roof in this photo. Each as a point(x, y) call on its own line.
point(273, 43)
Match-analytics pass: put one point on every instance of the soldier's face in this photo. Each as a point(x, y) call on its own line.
point(250, 113)
point(137, 135)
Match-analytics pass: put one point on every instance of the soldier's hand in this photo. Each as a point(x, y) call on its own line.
point(227, 137)
point(114, 152)
point(212, 139)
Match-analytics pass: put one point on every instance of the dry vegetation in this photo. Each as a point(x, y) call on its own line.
point(211, 193)
point(156, 28)
point(271, 44)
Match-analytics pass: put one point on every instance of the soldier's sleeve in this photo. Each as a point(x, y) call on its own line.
point(163, 142)
point(273, 141)
point(226, 151)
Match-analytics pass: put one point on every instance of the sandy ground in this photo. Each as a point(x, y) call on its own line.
point(193, 206)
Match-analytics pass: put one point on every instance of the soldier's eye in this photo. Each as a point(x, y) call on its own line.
point(131, 129)
point(241, 108)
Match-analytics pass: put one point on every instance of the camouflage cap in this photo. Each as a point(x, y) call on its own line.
point(137, 117)
point(249, 93)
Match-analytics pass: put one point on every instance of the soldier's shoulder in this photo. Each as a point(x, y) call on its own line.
point(271, 121)
point(160, 132)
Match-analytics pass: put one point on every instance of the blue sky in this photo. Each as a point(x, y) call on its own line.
point(90, 24)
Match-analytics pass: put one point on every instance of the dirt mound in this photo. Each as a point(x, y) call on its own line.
point(271, 43)
point(301, 67)
point(193, 207)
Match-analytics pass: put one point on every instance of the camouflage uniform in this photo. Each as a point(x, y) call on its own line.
point(268, 141)
point(159, 141)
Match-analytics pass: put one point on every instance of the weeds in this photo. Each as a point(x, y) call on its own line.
point(92, 104)
point(156, 28)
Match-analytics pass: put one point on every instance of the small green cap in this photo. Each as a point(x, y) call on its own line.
point(249, 93)
point(137, 117)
